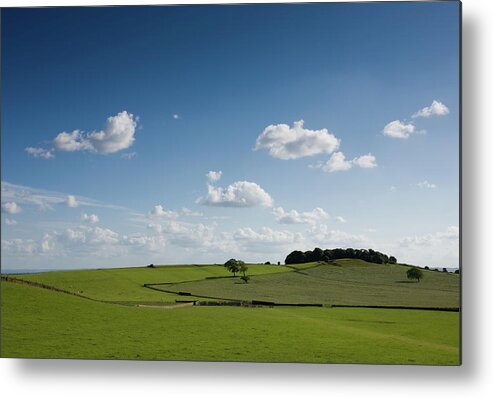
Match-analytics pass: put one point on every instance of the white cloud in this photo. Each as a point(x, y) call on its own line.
point(117, 135)
point(150, 243)
point(129, 156)
point(176, 116)
point(45, 199)
point(213, 176)
point(11, 207)
point(426, 185)
point(188, 212)
point(159, 211)
point(340, 219)
point(436, 108)
point(19, 246)
point(286, 143)
point(398, 129)
point(10, 222)
point(72, 201)
point(451, 234)
point(266, 239)
point(71, 141)
point(338, 162)
point(47, 243)
point(238, 194)
point(293, 216)
point(365, 161)
point(40, 152)
point(336, 238)
point(89, 218)
point(103, 236)
point(392, 188)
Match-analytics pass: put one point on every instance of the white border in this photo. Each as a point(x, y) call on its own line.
point(126, 378)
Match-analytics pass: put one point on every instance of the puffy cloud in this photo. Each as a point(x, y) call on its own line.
point(436, 108)
point(47, 243)
point(71, 141)
point(340, 219)
point(176, 116)
point(117, 135)
point(366, 161)
point(338, 162)
point(159, 211)
point(451, 234)
point(238, 194)
point(89, 218)
point(72, 201)
point(151, 243)
point(40, 152)
point(185, 234)
point(426, 185)
point(286, 143)
point(213, 176)
point(293, 216)
point(11, 208)
point(103, 236)
point(398, 129)
point(10, 222)
point(94, 236)
point(19, 246)
point(322, 235)
point(266, 239)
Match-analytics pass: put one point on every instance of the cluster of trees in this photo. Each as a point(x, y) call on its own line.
point(319, 254)
point(237, 266)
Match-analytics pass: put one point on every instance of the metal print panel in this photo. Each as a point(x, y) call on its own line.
point(262, 183)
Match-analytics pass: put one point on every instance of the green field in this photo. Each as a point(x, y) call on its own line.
point(37, 322)
point(348, 282)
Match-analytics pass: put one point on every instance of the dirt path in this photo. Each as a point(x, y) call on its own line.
point(169, 306)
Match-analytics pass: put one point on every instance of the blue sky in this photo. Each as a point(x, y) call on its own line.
point(324, 125)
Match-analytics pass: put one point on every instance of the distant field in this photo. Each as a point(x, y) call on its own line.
point(42, 323)
point(126, 284)
point(347, 282)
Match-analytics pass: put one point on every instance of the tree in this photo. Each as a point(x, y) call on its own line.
point(242, 267)
point(233, 266)
point(414, 274)
point(295, 257)
point(392, 260)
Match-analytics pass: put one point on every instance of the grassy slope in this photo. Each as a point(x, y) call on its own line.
point(42, 323)
point(353, 282)
point(126, 284)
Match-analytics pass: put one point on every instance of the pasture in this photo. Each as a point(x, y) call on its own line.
point(37, 322)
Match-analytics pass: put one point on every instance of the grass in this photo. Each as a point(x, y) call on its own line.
point(42, 323)
point(125, 285)
point(347, 282)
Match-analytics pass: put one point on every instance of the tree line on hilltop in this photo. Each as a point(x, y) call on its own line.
point(327, 255)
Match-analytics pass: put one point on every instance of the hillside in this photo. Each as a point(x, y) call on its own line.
point(343, 282)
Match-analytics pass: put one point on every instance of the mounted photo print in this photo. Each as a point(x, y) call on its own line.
point(256, 182)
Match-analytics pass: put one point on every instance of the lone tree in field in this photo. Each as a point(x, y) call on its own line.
point(243, 269)
point(233, 266)
point(414, 274)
